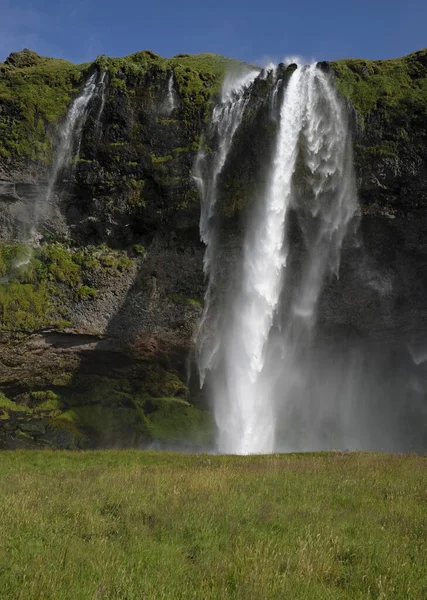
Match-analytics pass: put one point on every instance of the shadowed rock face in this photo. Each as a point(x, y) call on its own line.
point(122, 230)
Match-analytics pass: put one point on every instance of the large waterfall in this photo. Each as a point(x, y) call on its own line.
point(226, 118)
point(260, 353)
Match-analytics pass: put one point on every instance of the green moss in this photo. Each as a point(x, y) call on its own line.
point(22, 435)
point(372, 85)
point(46, 401)
point(7, 405)
point(198, 76)
point(60, 424)
point(389, 97)
point(164, 419)
point(63, 379)
point(156, 160)
point(189, 301)
point(114, 263)
point(139, 249)
point(24, 306)
point(40, 285)
point(84, 292)
point(162, 383)
point(57, 263)
point(36, 91)
point(174, 420)
point(13, 257)
point(34, 94)
point(103, 420)
point(135, 192)
point(12, 410)
point(102, 411)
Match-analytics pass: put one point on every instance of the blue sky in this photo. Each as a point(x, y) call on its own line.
point(246, 30)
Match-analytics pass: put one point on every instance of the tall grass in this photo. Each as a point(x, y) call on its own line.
point(135, 525)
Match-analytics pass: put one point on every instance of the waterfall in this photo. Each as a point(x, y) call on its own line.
point(226, 118)
point(69, 137)
point(170, 102)
point(256, 375)
point(101, 91)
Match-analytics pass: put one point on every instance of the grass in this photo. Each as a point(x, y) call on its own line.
point(144, 525)
point(386, 84)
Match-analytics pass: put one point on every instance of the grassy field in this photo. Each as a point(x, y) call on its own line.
point(133, 525)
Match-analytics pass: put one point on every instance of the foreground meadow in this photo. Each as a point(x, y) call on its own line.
point(136, 525)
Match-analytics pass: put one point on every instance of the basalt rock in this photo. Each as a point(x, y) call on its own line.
point(98, 307)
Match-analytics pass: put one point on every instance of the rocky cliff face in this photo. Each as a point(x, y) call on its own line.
point(99, 303)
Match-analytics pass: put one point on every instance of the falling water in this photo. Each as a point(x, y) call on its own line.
point(69, 136)
point(253, 384)
point(101, 91)
point(170, 102)
point(226, 118)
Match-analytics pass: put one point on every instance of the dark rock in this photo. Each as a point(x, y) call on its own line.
point(34, 428)
point(132, 189)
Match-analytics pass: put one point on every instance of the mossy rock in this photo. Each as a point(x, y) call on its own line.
point(9, 407)
point(173, 420)
point(34, 93)
point(380, 84)
point(40, 285)
point(25, 58)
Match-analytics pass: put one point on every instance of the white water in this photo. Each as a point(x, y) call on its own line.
point(226, 118)
point(101, 91)
point(258, 378)
point(69, 135)
point(170, 103)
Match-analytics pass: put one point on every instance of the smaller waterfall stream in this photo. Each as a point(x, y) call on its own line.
point(171, 102)
point(69, 141)
point(101, 91)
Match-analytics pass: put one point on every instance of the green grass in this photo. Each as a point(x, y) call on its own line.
point(133, 525)
point(385, 84)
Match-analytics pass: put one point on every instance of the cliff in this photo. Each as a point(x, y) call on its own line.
point(99, 305)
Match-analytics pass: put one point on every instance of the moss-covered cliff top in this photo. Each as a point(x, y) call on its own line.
point(40, 87)
point(374, 84)
point(35, 91)
point(43, 85)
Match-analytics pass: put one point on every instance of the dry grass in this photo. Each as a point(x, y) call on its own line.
point(135, 525)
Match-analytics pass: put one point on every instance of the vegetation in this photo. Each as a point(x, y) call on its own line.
point(34, 93)
point(99, 411)
point(189, 301)
point(197, 76)
point(175, 421)
point(39, 285)
point(135, 525)
point(8, 407)
point(371, 85)
point(390, 101)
